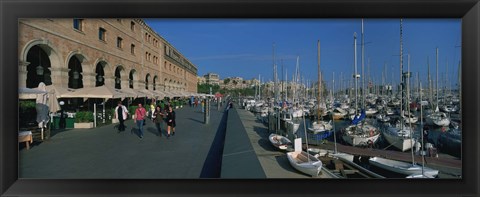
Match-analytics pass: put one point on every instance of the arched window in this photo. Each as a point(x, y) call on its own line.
point(146, 81)
point(130, 79)
point(38, 69)
point(100, 74)
point(75, 77)
point(118, 79)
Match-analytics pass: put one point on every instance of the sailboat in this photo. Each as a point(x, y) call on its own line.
point(400, 135)
point(437, 118)
point(401, 167)
point(303, 161)
point(412, 170)
point(319, 127)
point(360, 133)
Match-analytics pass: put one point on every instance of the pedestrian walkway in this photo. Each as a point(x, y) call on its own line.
point(104, 153)
point(274, 162)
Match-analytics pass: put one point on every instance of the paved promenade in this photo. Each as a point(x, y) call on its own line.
point(274, 162)
point(103, 153)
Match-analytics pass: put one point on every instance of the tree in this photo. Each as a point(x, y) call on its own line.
point(205, 88)
point(226, 81)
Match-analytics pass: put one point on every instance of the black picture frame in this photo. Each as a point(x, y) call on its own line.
point(11, 11)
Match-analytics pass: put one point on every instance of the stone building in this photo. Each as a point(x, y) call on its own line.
point(212, 79)
point(201, 80)
point(122, 53)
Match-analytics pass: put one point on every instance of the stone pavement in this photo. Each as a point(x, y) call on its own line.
point(102, 153)
point(274, 162)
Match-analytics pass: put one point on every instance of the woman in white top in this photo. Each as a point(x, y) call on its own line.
point(121, 113)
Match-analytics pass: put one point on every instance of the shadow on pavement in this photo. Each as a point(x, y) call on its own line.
point(212, 167)
point(152, 130)
point(196, 120)
point(284, 163)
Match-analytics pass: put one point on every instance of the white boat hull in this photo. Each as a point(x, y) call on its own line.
point(438, 119)
point(320, 126)
point(305, 163)
point(279, 141)
point(361, 135)
point(401, 167)
point(359, 140)
point(292, 127)
point(399, 142)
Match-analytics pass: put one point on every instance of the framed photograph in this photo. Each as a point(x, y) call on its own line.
point(239, 98)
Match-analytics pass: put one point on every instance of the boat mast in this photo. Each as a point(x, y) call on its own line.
point(363, 70)
point(408, 109)
point(460, 84)
point(430, 88)
point(436, 81)
point(333, 124)
point(274, 77)
point(319, 83)
point(421, 129)
point(401, 73)
point(355, 76)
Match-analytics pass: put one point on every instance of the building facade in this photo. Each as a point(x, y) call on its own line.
point(122, 53)
point(212, 79)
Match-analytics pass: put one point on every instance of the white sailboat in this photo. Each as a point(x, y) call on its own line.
point(303, 161)
point(400, 135)
point(409, 169)
point(437, 118)
point(382, 117)
point(339, 113)
point(320, 126)
point(360, 133)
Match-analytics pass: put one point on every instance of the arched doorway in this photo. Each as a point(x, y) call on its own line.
point(38, 69)
point(130, 78)
point(118, 78)
point(154, 83)
point(147, 79)
point(100, 74)
point(75, 77)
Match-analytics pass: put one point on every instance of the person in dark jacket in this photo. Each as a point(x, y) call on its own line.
point(158, 118)
point(170, 121)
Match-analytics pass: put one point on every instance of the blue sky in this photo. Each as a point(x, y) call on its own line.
point(244, 47)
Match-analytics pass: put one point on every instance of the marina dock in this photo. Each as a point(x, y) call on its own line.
point(233, 145)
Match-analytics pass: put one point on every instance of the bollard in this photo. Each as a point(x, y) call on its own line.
point(206, 112)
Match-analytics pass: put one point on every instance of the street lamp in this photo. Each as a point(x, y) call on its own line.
point(39, 68)
point(99, 78)
point(76, 75)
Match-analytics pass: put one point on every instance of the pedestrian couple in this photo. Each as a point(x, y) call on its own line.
point(170, 119)
point(140, 114)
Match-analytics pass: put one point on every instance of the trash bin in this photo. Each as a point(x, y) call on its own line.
point(69, 123)
point(56, 122)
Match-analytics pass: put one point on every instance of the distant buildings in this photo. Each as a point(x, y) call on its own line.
point(212, 79)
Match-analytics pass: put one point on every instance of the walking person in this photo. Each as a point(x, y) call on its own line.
point(158, 118)
point(121, 114)
point(152, 109)
point(170, 121)
point(140, 114)
point(203, 105)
